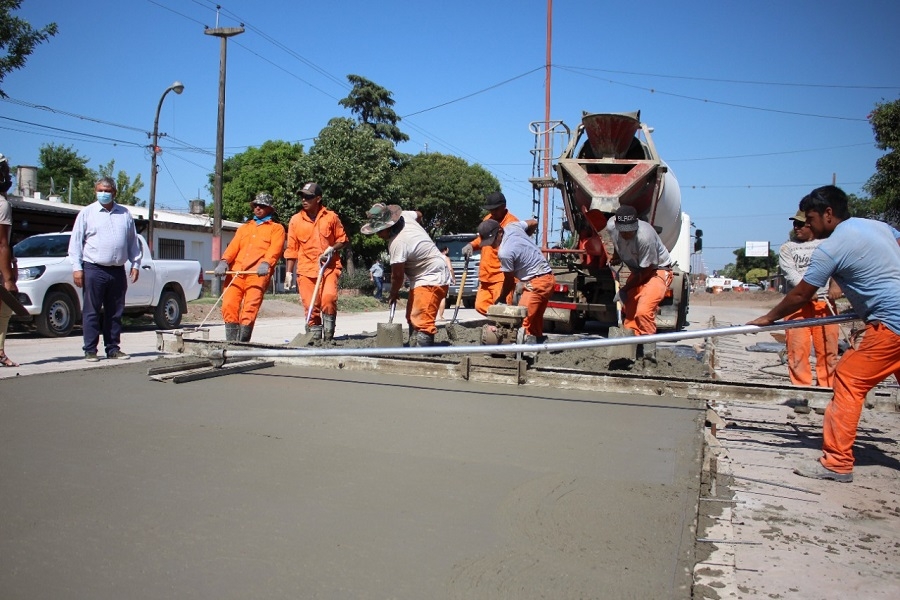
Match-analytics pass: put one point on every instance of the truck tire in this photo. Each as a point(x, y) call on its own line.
point(57, 318)
point(167, 314)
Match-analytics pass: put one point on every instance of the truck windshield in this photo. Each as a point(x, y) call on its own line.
point(42, 246)
point(455, 247)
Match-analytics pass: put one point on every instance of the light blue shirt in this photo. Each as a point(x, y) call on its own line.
point(104, 237)
point(864, 258)
point(519, 254)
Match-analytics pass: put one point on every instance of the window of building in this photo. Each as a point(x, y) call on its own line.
point(171, 249)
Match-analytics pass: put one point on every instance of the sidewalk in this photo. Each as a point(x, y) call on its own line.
point(36, 354)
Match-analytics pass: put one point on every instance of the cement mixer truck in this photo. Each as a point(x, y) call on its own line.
point(609, 160)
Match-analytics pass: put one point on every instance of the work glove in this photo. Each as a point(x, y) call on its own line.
point(520, 287)
point(263, 269)
point(221, 268)
point(288, 281)
point(467, 251)
point(326, 256)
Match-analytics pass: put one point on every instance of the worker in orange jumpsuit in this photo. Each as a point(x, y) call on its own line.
point(314, 240)
point(414, 255)
point(252, 253)
point(490, 276)
point(638, 246)
point(794, 258)
point(863, 257)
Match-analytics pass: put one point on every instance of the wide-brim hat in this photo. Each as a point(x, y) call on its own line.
point(494, 200)
point(626, 218)
point(800, 216)
point(380, 217)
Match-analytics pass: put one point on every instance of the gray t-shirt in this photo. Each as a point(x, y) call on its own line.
point(794, 259)
point(519, 255)
point(643, 250)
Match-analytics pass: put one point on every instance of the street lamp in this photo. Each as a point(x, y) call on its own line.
point(177, 87)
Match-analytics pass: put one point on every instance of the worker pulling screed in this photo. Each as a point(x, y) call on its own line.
point(490, 276)
point(315, 238)
point(794, 258)
point(638, 246)
point(863, 257)
point(256, 247)
point(521, 259)
point(413, 254)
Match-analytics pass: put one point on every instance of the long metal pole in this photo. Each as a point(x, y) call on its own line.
point(227, 353)
point(178, 87)
point(224, 33)
point(545, 229)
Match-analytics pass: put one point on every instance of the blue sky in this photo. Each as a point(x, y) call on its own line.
point(753, 104)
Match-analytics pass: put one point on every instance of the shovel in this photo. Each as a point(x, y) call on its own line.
point(615, 275)
point(304, 339)
point(390, 334)
point(451, 326)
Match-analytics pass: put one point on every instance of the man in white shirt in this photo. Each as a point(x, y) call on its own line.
point(103, 240)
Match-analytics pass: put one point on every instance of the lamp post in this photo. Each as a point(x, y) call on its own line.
point(177, 87)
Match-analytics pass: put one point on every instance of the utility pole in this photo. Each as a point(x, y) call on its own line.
point(223, 33)
point(546, 212)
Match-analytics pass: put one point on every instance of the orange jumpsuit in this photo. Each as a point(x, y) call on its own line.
point(824, 338)
point(252, 244)
point(306, 241)
point(490, 277)
point(642, 301)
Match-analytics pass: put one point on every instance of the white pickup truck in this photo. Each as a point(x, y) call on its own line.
point(47, 288)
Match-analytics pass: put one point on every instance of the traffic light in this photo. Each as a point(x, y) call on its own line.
point(698, 240)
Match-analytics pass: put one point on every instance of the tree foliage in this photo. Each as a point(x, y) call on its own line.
point(127, 190)
point(355, 169)
point(448, 191)
point(62, 166)
point(744, 264)
point(18, 39)
point(269, 169)
point(372, 105)
point(884, 185)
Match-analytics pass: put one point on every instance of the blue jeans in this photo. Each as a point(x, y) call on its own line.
point(104, 290)
point(379, 287)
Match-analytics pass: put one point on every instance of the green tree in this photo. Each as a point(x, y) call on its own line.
point(268, 168)
point(884, 185)
point(17, 39)
point(355, 169)
point(127, 189)
point(60, 166)
point(448, 191)
point(754, 275)
point(745, 263)
point(372, 105)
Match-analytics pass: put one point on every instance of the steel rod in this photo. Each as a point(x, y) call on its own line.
point(227, 353)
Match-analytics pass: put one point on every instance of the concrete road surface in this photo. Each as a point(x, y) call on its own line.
point(293, 483)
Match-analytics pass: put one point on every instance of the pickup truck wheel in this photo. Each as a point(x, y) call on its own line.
point(168, 312)
point(57, 319)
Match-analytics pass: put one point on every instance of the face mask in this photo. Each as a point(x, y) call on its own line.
point(104, 197)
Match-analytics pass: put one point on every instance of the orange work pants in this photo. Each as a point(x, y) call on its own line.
point(487, 295)
point(534, 298)
point(326, 302)
point(422, 307)
point(642, 301)
point(858, 371)
point(823, 338)
point(243, 297)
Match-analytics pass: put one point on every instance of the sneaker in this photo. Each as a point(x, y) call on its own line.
point(117, 355)
point(815, 470)
point(91, 356)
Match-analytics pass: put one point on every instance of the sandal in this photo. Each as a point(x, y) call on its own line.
point(6, 361)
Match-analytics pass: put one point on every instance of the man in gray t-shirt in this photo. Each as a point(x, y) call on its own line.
point(521, 259)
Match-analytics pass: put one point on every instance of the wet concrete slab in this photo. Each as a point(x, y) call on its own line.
point(302, 483)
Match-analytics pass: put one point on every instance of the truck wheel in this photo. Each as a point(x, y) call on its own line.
point(167, 314)
point(57, 318)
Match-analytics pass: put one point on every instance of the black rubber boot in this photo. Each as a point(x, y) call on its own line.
point(328, 323)
point(246, 332)
point(232, 331)
point(424, 339)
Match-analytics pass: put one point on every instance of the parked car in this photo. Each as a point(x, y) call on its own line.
point(455, 243)
point(47, 288)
